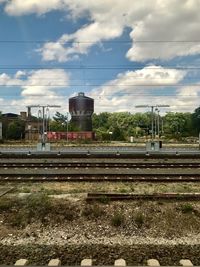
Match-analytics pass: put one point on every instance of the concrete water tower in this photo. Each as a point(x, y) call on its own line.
point(81, 109)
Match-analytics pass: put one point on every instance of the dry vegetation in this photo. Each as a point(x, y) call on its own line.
point(85, 187)
point(131, 218)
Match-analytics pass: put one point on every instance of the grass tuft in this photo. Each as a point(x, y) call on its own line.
point(117, 219)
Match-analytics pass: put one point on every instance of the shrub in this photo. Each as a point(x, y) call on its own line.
point(38, 205)
point(93, 211)
point(187, 208)
point(64, 211)
point(104, 199)
point(117, 219)
point(6, 204)
point(139, 220)
point(123, 190)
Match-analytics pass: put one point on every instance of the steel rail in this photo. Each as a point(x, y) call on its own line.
point(131, 196)
point(100, 165)
point(79, 177)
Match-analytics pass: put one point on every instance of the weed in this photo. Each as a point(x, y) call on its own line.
point(117, 219)
point(139, 220)
point(25, 190)
point(6, 204)
point(104, 199)
point(18, 219)
point(132, 188)
point(50, 191)
point(93, 211)
point(187, 208)
point(123, 190)
point(38, 204)
point(64, 211)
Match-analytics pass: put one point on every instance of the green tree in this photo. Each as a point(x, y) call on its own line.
point(16, 130)
point(61, 123)
point(178, 125)
point(60, 117)
point(196, 121)
point(100, 120)
point(118, 134)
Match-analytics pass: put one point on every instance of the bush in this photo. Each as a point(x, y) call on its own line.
point(64, 211)
point(93, 211)
point(34, 207)
point(37, 205)
point(139, 220)
point(187, 208)
point(117, 219)
point(6, 204)
point(104, 199)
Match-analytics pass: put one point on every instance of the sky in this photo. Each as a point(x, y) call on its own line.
point(122, 53)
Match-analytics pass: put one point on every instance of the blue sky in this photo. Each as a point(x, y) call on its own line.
point(122, 53)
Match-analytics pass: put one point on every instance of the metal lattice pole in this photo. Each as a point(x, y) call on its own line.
point(43, 107)
point(152, 115)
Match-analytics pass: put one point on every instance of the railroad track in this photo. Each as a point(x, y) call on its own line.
point(132, 196)
point(100, 165)
point(114, 170)
point(75, 177)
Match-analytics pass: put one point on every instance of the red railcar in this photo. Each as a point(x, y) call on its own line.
point(72, 136)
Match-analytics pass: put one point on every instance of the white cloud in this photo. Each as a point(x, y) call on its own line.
point(148, 20)
point(18, 105)
point(19, 7)
point(6, 80)
point(39, 82)
point(147, 87)
point(169, 21)
point(141, 81)
point(81, 40)
point(129, 89)
point(37, 88)
point(20, 73)
point(45, 82)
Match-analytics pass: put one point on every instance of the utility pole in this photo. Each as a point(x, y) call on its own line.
point(66, 122)
point(158, 123)
point(43, 107)
point(152, 115)
point(67, 125)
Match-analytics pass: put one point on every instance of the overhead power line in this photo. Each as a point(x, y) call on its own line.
point(96, 67)
point(107, 95)
point(128, 107)
point(102, 41)
point(100, 85)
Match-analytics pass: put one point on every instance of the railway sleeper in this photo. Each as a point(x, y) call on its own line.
point(89, 262)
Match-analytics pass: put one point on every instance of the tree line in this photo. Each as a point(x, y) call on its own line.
point(120, 126)
point(123, 125)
